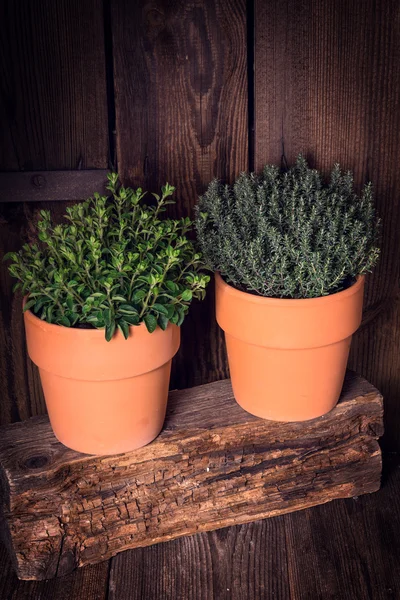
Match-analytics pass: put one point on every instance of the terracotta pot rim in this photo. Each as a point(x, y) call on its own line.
point(91, 333)
point(286, 302)
point(85, 354)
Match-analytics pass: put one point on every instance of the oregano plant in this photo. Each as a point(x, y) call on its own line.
point(288, 234)
point(113, 262)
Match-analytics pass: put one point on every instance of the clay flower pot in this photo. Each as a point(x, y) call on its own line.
point(287, 358)
point(103, 397)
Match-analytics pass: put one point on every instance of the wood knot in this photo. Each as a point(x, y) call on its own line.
point(38, 181)
point(36, 462)
point(155, 18)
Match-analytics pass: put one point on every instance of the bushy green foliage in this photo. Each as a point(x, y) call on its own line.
point(113, 263)
point(288, 234)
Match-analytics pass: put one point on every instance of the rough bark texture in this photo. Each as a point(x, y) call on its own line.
point(213, 465)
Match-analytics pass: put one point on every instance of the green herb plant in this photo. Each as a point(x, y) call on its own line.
point(288, 234)
point(113, 263)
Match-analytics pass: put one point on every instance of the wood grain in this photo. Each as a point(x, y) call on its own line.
point(349, 549)
point(62, 509)
point(327, 84)
point(53, 115)
point(53, 107)
point(39, 186)
point(181, 113)
point(235, 563)
point(86, 584)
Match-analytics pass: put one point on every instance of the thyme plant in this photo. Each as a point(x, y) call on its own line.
point(113, 263)
point(288, 234)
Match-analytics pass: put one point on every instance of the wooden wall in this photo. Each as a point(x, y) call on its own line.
point(166, 90)
point(327, 83)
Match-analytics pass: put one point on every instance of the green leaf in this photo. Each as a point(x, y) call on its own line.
point(187, 295)
point(74, 319)
point(131, 320)
point(94, 320)
point(29, 304)
point(110, 329)
point(172, 286)
point(163, 322)
point(39, 303)
point(160, 309)
point(64, 321)
point(171, 310)
point(107, 317)
point(159, 269)
point(118, 299)
point(174, 318)
point(138, 296)
point(151, 323)
point(181, 318)
point(127, 309)
point(124, 328)
point(10, 256)
point(70, 303)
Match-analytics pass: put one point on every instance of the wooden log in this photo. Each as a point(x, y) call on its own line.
point(212, 466)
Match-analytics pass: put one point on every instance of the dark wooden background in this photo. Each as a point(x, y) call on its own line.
point(186, 90)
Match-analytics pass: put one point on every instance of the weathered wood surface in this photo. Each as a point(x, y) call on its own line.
point(213, 465)
point(53, 100)
point(347, 549)
point(327, 84)
point(180, 77)
point(91, 583)
point(40, 186)
point(53, 116)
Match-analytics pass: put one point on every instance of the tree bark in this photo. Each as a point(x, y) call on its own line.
point(213, 465)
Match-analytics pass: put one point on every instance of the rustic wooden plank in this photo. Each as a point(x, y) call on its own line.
point(205, 471)
point(22, 394)
point(90, 583)
point(53, 115)
point(53, 105)
point(327, 84)
point(40, 186)
point(181, 569)
point(181, 112)
point(233, 563)
point(348, 549)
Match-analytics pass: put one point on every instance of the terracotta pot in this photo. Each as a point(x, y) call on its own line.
point(287, 358)
point(103, 397)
